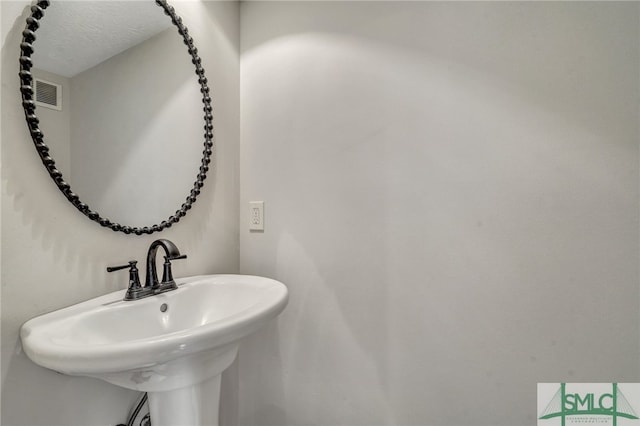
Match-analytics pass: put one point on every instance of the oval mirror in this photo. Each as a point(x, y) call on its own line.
point(115, 109)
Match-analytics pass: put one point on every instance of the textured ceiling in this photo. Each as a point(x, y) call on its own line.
point(77, 35)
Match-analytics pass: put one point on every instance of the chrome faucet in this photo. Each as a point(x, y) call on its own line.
point(152, 286)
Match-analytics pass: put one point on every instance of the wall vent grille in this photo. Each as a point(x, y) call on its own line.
point(48, 95)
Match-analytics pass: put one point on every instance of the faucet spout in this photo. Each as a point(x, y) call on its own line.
point(171, 252)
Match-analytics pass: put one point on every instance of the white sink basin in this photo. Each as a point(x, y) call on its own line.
point(141, 345)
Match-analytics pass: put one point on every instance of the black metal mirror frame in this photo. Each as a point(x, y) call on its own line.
point(28, 103)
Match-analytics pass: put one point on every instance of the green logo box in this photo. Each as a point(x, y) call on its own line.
point(562, 404)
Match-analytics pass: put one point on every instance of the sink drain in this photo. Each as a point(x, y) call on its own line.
point(164, 307)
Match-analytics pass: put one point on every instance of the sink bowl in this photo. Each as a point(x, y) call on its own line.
point(170, 345)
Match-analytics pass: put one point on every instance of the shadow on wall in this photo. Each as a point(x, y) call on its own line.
point(326, 325)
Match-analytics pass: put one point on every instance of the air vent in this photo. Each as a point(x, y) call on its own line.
point(48, 95)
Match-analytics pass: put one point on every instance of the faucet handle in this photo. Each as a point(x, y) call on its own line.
point(134, 290)
point(167, 275)
point(182, 256)
point(117, 268)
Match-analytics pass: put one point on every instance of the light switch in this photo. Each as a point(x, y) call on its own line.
point(256, 215)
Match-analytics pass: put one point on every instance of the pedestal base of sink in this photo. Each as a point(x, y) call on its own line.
point(183, 392)
point(196, 405)
point(181, 373)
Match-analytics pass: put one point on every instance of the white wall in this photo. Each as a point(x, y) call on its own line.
point(451, 195)
point(52, 256)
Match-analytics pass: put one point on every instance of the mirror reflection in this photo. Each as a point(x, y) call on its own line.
point(120, 107)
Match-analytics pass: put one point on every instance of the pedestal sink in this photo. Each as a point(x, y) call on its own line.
point(173, 345)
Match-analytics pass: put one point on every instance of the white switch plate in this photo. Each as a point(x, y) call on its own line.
point(256, 215)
